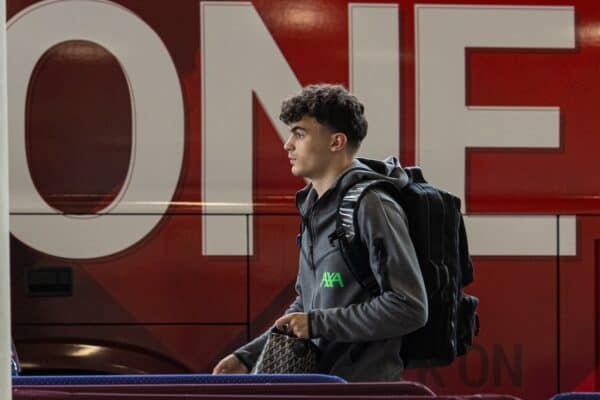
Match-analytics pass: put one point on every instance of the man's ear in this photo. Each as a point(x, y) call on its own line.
point(339, 141)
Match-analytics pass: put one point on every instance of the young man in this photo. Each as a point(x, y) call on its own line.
point(360, 335)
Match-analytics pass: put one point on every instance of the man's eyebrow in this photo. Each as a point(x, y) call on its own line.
point(296, 128)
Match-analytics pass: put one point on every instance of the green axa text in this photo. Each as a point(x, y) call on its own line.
point(329, 278)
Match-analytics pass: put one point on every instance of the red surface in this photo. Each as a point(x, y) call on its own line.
point(91, 121)
point(162, 279)
point(272, 270)
point(579, 311)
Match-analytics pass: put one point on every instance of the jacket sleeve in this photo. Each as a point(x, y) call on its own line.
point(249, 353)
point(402, 305)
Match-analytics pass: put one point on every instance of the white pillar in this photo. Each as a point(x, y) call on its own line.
point(5, 379)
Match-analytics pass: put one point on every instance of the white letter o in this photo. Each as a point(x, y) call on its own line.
point(157, 128)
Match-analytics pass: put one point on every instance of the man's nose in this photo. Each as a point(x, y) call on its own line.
point(287, 146)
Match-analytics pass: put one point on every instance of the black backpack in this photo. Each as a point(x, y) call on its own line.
point(438, 234)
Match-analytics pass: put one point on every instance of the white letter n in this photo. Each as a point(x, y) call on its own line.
point(239, 57)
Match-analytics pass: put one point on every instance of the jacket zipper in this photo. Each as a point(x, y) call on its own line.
point(313, 267)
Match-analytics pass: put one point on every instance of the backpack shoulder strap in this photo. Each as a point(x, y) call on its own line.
point(353, 250)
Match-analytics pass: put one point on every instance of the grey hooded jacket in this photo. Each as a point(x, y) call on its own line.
point(360, 335)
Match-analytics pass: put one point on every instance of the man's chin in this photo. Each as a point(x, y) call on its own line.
point(299, 172)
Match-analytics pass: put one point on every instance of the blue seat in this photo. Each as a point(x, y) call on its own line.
point(144, 379)
point(577, 396)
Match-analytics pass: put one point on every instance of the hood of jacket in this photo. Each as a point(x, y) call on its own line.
point(359, 170)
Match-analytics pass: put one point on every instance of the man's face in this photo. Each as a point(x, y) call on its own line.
point(308, 148)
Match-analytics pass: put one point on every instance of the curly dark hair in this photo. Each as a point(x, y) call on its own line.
point(332, 106)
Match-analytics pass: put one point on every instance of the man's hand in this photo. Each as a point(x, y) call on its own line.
point(296, 323)
point(230, 365)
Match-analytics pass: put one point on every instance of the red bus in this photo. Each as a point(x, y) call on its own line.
point(152, 208)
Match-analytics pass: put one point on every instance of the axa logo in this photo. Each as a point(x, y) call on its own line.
point(330, 278)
